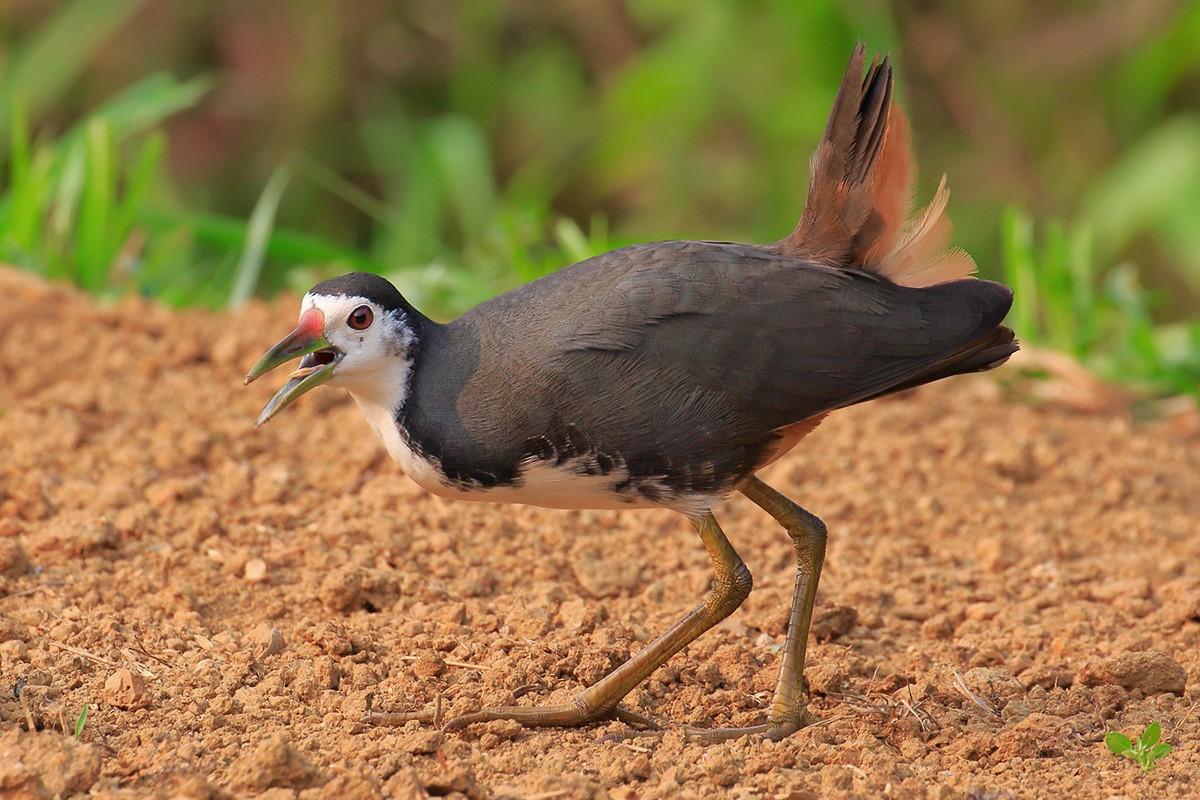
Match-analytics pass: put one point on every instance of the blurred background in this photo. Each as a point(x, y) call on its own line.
point(203, 153)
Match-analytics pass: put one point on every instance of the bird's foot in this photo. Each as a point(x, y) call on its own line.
point(573, 715)
point(568, 715)
point(771, 731)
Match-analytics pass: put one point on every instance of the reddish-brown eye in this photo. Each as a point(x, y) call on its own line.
point(360, 318)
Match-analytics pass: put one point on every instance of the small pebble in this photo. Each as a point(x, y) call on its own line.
point(256, 570)
point(126, 689)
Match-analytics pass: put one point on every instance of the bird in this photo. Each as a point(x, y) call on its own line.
point(668, 374)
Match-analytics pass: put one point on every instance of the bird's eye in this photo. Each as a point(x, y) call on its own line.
point(360, 318)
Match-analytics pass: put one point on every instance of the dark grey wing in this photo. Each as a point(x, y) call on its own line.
point(780, 340)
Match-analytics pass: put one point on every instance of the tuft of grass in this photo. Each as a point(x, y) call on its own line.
point(71, 207)
point(1144, 751)
point(1104, 317)
point(95, 206)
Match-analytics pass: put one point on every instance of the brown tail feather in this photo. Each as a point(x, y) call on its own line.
point(861, 188)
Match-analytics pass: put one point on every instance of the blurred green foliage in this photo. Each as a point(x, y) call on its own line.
point(463, 147)
point(1104, 317)
point(72, 203)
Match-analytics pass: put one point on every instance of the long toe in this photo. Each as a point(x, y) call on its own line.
point(383, 719)
point(710, 735)
point(770, 731)
point(773, 731)
point(568, 715)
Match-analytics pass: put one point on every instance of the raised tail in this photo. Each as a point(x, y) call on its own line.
point(856, 214)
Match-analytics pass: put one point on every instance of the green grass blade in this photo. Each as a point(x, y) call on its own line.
point(81, 721)
point(463, 164)
point(19, 208)
point(258, 234)
point(345, 190)
point(93, 254)
point(1017, 248)
point(572, 240)
point(150, 101)
point(1082, 283)
point(27, 204)
point(18, 153)
point(1141, 190)
point(67, 181)
point(137, 183)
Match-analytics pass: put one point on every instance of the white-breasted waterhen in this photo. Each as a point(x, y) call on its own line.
point(668, 374)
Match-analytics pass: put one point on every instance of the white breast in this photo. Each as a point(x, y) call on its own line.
point(382, 420)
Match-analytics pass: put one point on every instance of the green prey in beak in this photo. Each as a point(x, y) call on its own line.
point(316, 366)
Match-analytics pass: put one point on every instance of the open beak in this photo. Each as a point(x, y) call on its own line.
point(316, 366)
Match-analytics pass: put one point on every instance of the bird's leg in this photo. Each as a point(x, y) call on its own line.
point(730, 587)
point(789, 712)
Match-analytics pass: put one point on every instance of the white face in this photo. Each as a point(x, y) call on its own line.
point(375, 344)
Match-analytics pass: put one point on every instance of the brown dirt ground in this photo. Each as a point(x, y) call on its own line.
point(229, 602)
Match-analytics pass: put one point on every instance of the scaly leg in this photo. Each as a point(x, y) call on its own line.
point(730, 587)
point(788, 712)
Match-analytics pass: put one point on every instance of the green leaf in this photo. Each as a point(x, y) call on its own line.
point(1159, 751)
point(1118, 743)
point(1151, 735)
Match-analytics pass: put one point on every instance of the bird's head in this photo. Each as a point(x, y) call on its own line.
point(355, 331)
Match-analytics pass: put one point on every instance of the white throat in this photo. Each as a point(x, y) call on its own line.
point(380, 399)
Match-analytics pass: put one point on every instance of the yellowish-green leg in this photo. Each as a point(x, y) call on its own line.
point(789, 712)
point(730, 587)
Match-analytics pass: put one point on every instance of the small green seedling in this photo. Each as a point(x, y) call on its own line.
point(1145, 750)
point(79, 723)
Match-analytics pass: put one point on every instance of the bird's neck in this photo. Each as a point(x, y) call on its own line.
point(381, 394)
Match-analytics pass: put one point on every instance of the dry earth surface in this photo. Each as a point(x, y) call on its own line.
point(1006, 582)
